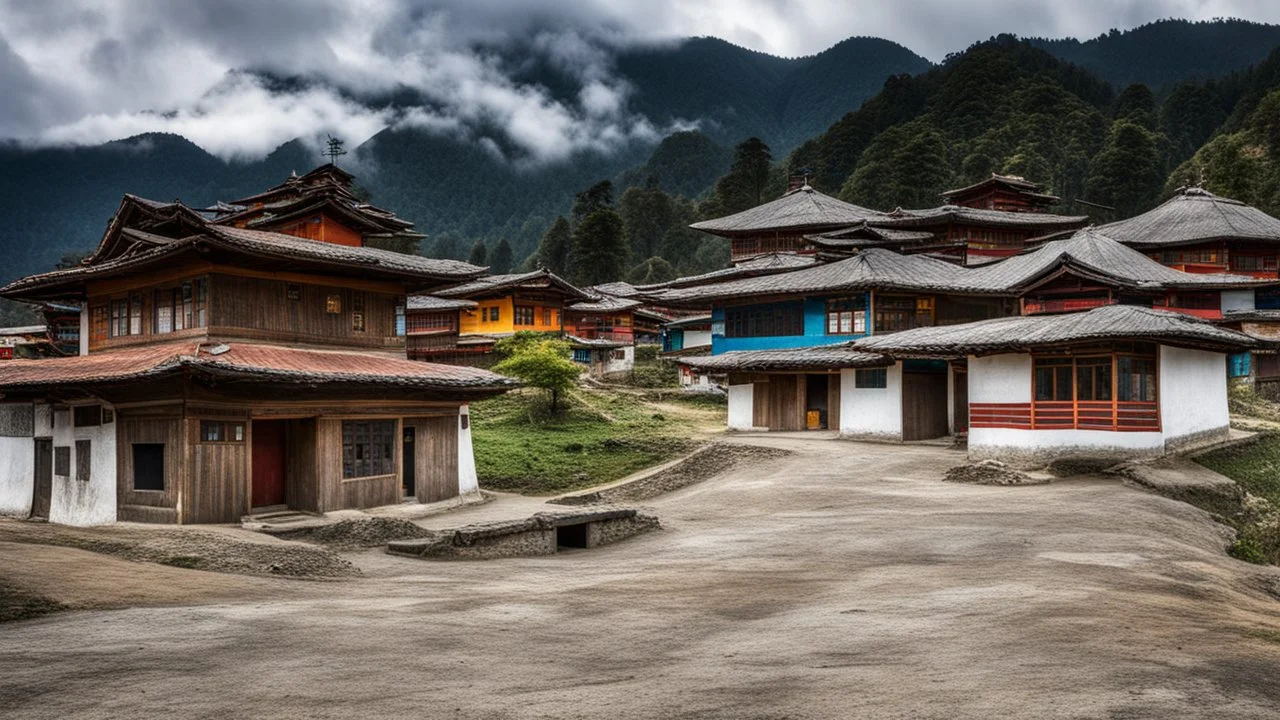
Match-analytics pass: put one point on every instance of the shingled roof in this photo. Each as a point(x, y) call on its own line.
point(605, 304)
point(1093, 253)
point(874, 268)
point(273, 246)
point(1013, 182)
point(431, 303)
point(766, 264)
point(826, 357)
point(1022, 333)
point(928, 217)
point(865, 235)
point(495, 283)
point(1194, 215)
point(250, 362)
point(802, 208)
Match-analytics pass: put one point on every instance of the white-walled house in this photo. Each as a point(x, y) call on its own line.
point(1118, 381)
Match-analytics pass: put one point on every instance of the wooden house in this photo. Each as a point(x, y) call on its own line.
point(792, 327)
point(506, 304)
point(973, 236)
point(781, 225)
point(602, 356)
point(228, 370)
point(321, 205)
point(1007, 193)
point(431, 326)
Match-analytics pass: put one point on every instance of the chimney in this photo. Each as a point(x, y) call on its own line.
point(798, 179)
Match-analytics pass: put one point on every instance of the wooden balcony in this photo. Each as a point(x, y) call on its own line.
point(1038, 307)
point(1105, 415)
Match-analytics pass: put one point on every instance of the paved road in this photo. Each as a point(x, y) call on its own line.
point(843, 581)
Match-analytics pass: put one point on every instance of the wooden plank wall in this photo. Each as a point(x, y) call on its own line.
point(371, 491)
point(258, 308)
point(335, 493)
point(219, 483)
point(436, 464)
point(833, 401)
point(778, 402)
point(301, 466)
point(150, 425)
point(924, 405)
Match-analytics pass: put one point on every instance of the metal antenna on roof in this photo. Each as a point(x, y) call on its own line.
point(333, 149)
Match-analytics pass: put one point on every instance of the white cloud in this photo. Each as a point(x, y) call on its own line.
point(82, 71)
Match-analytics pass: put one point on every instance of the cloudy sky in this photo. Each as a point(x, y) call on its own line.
point(87, 71)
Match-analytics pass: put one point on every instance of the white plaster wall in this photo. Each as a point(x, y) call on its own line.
point(951, 400)
point(1237, 300)
point(741, 406)
point(85, 503)
point(1193, 394)
point(1036, 447)
point(84, 329)
point(468, 480)
point(694, 338)
point(999, 379)
point(627, 362)
point(17, 475)
point(871, 412)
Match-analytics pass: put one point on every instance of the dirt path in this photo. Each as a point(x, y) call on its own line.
point(845, 580)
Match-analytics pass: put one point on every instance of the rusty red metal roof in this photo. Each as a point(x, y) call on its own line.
point(248, 360)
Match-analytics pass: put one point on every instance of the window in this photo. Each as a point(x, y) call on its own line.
point(494, 314)
point(1053, 379)
point(426, 322)
point(293, 292)
point(400, 321)
point(84, 459)
point(86, 415)
point(333, 304)
point(871, 378)
point(62, 461)
point(765, 321)
point(357, 312)
point(368, 448)
point(847, 316)
point(581, 355)
point(98, 322)
point(523, 315)
point(180, 308)
point(212, 431)
point(903, 313)
point(148, 466)
point(1136, 379)
point(126, 316)
point(617, 354)
point(1093, 378)
point(546, 317)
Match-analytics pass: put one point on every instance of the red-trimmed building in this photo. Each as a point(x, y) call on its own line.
point(229, 370)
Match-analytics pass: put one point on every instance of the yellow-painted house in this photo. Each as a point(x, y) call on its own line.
point(506, 304)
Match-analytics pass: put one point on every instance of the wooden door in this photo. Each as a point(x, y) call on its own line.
point(43, 492)
point(960, 400)
point(409, 456)
point(268, 463)
point(436, 470)
point(924, 405)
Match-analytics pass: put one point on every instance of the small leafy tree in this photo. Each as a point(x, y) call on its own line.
point(538, 361)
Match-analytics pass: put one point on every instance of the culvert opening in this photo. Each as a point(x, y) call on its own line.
point(571, 536)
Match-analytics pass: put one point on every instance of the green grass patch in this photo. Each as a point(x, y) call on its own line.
point(1254, 466)
point(597, 437)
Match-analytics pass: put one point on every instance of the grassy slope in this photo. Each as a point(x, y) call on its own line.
point(1255, 467)
point(600, 436)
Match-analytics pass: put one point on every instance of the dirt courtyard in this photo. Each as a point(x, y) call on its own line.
point(843, 581)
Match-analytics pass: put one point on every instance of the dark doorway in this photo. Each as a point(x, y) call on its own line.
point(410, 487)
point(43, 491)
point(268, 463)
point(571, 536)
point(924, 401)
point(960, 399)
point(815, 400)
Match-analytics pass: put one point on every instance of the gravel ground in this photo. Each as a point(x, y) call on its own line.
point(358, 533)
point(845, 580)
point(990, 472)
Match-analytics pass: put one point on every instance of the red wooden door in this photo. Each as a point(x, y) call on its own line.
point(268, 463)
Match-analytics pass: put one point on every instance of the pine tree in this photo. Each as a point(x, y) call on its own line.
point(502, 258)
point(1126, 174)
point(479, 254)
point(647, 213)
point(446, 248)
point(596, 197)
point(744, 185)
point(553, 251)
point(599, 248)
